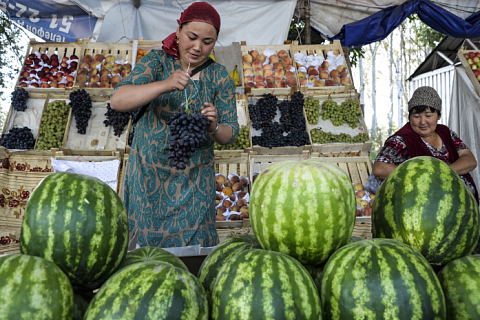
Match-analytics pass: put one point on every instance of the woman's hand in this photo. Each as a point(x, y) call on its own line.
point(178, 80)
point(210, 112)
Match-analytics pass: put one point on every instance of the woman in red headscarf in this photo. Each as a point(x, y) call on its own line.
point(168, 207)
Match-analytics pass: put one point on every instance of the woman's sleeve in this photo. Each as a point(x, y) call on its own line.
point(393, 151)
point(459, 144)
point(145, 71)
point(226, 103)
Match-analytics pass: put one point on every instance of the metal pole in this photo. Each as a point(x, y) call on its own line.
point(472, 44)
point(307, 22)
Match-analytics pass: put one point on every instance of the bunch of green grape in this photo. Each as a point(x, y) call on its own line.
point(331, 110)
point(351, 111)
point(53, 124)
point(321, 137)
point(242, 142)
point(312, 109)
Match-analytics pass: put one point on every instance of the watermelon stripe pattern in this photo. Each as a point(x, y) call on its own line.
point(153, 254)
point(262, 284)
point(150, 291)
point(380, 279)
point(426, 205)
point(220, 255)
point(79, 223)
point(460, 280)
point(34, 288)
point(295, 209)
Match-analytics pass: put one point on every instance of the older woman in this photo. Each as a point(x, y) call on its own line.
point(168, 207)
point(422, 136)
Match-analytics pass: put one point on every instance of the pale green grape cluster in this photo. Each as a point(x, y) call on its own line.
point(52, 127)
point(348, 112)
point(321, 137)
point(242, 142)
point(351, 111)
point(312, 109)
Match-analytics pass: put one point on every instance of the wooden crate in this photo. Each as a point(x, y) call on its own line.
point(228, 229)
point(261, 91)
point(322, 50)
point(259, 162)
point(256, 149)
point(144, 45)
point(236, 163)
point(123, 172)
point(121, 52)
point(358, 168)
point(468, 68)
point(327, 126)
point(363, 227)
point(98, 140)
point(62, 49)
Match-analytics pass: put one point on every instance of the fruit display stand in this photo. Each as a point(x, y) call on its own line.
point(363, 227)
point(228, 229)
point(337, 84)
point(98, 140)
point(19, 175)
point(141, 47)
point(358, 167)
point(121, 52)
point(287, 150)
point(279, 89)
point(62, 50)
point(328, 126)
point(474, 75)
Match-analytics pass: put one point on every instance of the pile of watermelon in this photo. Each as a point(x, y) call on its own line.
point(302, 262)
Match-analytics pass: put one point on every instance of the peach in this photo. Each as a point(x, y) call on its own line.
point(334, 73)
point(104, 72)
point(277, 65)
point(291, 82)
point(94, 78)
point(69, 84)
point(242, 194)
point(247, 66)
point(235, 208)
point(116, 79)
point(104, 84)
point(268, 72)
point(110, 58)
point(261, 58)
point(360, 193)
point(281, 84)
point(221, 210)
point(258, 78)
point(254, 54)
point(106, 65)
point(227, 191)
point(318, 83)
point(227, 203)
point(94, 64)
point(260, 84)
point(346, 81)
point(278, 78)
point(358, 186)
point(256, 64)
point(279, 72)
point(34, 84)
point(247, 79)
point(126, 73)
point(219, 187)
point(228, 183)
point(84, 65)
point(367, 211)
point(274, 59)
point(287, 61)
point(343, 75)
point(303, 82)
point(329, 83)
point(61, 85)
point(70, 78)
point(247, 58)
point(336, 79)
point(298, 64)
point(94, 71)
point(99, 57)
point(267, 67)
point(234, 216)
point(87, 58)
point(104, 78)
point(248, 71)
point(80, 84)
point(244, 209)
point(269, 79)
point(116, 71)
point(250, 84)
point(258, 71)
point(341, 68)
point(312, 78)
point(82, 77)
point(290, 74)
point(237, 186)
point(53, 84)
point(301, 75)
point(313, 71)
point(244, 215)
point(93, 85)
point(282, 53)
point(325, 64)
point(44, 85)
point(323, 75)
point(220, 217)
point(64, 59)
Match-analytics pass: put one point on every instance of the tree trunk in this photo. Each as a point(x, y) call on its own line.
point(374, 89)
point(392, 65)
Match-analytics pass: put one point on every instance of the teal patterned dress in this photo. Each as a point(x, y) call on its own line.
point(168, 207)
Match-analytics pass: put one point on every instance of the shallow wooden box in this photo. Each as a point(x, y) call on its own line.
point(468, 69)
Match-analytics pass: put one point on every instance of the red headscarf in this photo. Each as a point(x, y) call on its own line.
point(197, 11)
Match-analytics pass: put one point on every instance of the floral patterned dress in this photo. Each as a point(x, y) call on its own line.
point(395, 151)
point(168, 207)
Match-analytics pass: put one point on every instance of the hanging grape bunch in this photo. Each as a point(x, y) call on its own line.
point(312, 109)
point(18, 138)
point(117, 119)
point(351, 111)
point(187, 130)
point(81, 105)
point(52, 128)
point(19, 99)
point(242, 142)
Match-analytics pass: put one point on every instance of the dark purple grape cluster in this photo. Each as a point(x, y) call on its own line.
point(187, 133)
point(117, 119)
point(81, 105)
point(19, 99)
point(291, 128)
point(18, 138)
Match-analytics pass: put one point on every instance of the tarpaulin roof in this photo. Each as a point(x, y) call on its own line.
point(354, 22)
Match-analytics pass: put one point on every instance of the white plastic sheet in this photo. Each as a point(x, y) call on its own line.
point(465, 115)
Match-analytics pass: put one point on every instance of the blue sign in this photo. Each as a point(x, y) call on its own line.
point(49, 20)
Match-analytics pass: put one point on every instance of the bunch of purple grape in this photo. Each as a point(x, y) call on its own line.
point(187, 133)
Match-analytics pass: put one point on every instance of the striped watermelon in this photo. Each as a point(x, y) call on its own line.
point(81, 305)
point(460, 280)
point(380, 279)
point(317, 275)
point(33, 288)
point(79, 223)
point(153, 254)
point(262, 284)
point(305, 209)
point(150, 291)
point(220, 255)
point(425, 204)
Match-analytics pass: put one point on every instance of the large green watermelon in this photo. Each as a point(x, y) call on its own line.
point(149, 291)
point(33, 288)
point(426, 205)
point(305, 209)
point(220, 255)
point(79, 223)
point(380, 279)
point(261, 284)
point(460, 280)
point(153, 254)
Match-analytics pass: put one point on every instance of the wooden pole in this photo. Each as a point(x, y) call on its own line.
point(307, 22)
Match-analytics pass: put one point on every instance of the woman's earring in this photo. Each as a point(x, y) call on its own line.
point(177, 40)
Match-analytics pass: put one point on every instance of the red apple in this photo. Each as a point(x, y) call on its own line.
point(73, 57)
point(54, 57)
point(28, 62)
